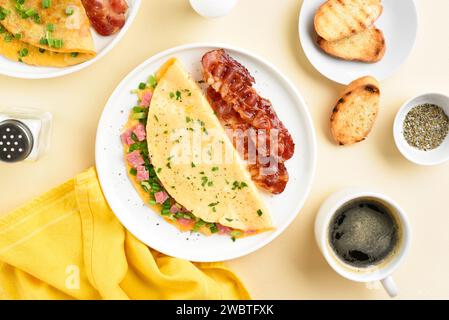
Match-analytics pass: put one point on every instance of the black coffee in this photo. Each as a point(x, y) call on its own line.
point(363, 233)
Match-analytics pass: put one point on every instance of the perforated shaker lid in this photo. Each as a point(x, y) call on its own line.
point(16, 141)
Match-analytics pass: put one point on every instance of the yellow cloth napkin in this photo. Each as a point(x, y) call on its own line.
point(68, 244)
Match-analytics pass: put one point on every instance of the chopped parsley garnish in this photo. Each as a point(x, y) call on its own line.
point(193, 165)
point(178, 95)
point(214, 168)
point(259, 213)
point(133, 171)
point(172, 95)
point(142, 85)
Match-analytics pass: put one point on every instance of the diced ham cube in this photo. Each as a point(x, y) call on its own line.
point(174, 209)
point(250, 232)
point(135, 159)
point(146, 99)
point(126, 137)
point(142, 173)
point(223, 229)
point(140, 132)
point(160, 197)
point(186, 223)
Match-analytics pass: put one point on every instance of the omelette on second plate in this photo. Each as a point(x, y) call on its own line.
point(45, 33)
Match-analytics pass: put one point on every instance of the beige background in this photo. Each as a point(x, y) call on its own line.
point(291, 267)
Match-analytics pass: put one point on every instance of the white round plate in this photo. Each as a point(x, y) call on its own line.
point(146, 224)
point(102, 45)
point(399, 23)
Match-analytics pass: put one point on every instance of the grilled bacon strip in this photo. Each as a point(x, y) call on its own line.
point(234, 83)
point(271, 178)
point(106, 16)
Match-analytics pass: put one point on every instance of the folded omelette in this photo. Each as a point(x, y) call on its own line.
point(52, 33)
point(206, 176)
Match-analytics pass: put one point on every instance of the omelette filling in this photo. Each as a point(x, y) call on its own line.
point(142, 130)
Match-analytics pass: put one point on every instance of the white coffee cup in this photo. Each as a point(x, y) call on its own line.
point(379, 272)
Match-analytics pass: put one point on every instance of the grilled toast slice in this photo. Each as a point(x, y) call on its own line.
point(338, 19)
point(356, 111)
point(366, 46)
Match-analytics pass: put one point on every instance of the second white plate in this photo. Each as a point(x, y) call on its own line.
point(146, 224)
point(102, 45)
point(399, 23)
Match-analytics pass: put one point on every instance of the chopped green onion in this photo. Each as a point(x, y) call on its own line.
point(198, 225)
point(138, 116)
point(213, 228)
point(46, 4)
point(31, 12)
point(57, 43)
point(236, 233)
point(139, 109)
point(23, 52)
point(142, 85)
point(152, 81)
point(37, 18)
point(133, 171)
point(146, 185)
point(8, 37)
point(3, 13)
point(69, 11)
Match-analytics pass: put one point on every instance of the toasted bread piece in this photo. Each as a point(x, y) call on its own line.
point(356, 111)
point(366, 46)
point(338, 19)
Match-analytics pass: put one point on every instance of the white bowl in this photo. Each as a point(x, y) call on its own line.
point(424, 158)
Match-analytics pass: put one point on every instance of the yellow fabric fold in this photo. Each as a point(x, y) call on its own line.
point(67, 244)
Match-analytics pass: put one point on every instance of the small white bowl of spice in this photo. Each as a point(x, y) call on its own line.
point(421, 129)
